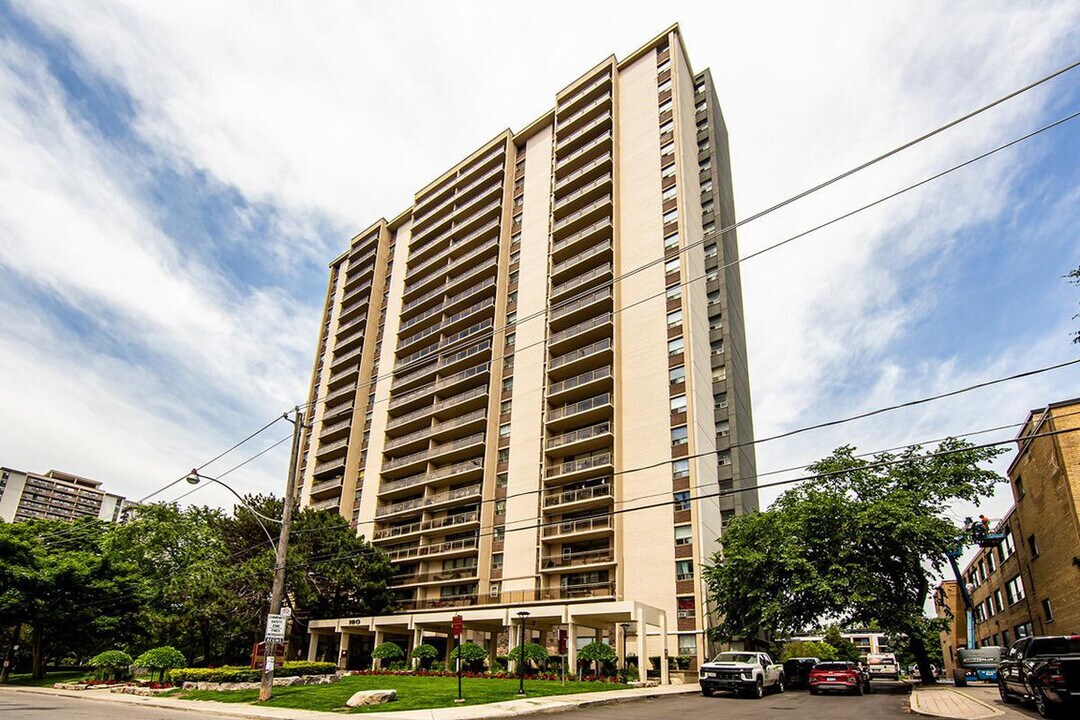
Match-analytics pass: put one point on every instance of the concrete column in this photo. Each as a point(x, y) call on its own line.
point(417, 641)
point(664, 673)
point(312, 647)
point(642, 644)
point(380, 637)
point(513, 636)
point(343, 651)
point(571, 648)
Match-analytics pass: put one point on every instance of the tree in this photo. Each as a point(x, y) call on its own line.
point(472, 654)
point(857, 543)
point(597, 653)
point(845, 649)
point(424, 655)
point(388, 651)
point(534, 653)
point(162, 659)
point(803, 648)
point(111, 664)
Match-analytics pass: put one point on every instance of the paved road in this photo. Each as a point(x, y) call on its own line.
point(989, 695)
point(887, 700)
point(35, 706)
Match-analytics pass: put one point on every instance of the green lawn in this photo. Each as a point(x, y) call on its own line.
point(50, 678)
point(414, 693)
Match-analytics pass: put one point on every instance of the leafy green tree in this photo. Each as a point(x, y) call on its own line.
point(472, 654)
point(597, 653)
point(805, 648)
point(388, 651)
point(162, 659)
point(844, 648)
point(534, 653)
point(111, 664)
point(858, 543)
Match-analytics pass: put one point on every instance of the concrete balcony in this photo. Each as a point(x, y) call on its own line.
point(582, 218)
point(585, 331)
point(340, 360)
point(573, 499)
point(581, 283)
point(588, 383)
point(333, 430)
point(450, 522)
point(567, 142)
point(571, 104)
point(578, 361)
point(580, 591)
point(568, 313)
point(584, 173)
point(573, 470)
point(346, 375)
point(469, 396)
point(584, 260)
point(585, 439)
point(583, 412)
point(595, 147)
point(431, 501)
point(458, 472)
point(352, 311)
point(459, 575)
point(333, 449)
point(335, 466)
point(581, 559)
point(331, 505)
point(451, 548)
point(326, 488)
point(573, 243)
point(583, 529)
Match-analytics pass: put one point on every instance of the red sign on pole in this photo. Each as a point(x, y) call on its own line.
point(562, 641)
point(459, 625)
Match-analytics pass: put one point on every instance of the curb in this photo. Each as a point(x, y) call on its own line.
point(241, 710)
point(914, 705)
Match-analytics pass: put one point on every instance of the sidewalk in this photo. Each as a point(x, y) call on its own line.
point(513, 708)
point(949, 702)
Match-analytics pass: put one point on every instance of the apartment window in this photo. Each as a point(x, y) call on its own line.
point(674, 318)
point(504, 456)
point(709, 227)
point(505, 406)
point(666, 85)
point(1014, 589)
point(684, 535)
point(702, 147)
point(677, 375)
point(674, 347)
point(721, 402)
point(1048, 610)
point(502, 480)
point(684, 569)
point(1005, 638)
point(714, 297)
point(700, 106)
point(705, 165)
point(682, 500)
point(716, 322)
point(671, 241)
point(498, 533)
point(674, 292)
point(669, 194)
point(515, 257)
point(671, 216)
point(1023, 630)
point(702, 124)
point(1033, 548)
point(497, 561)
point(504, 430)
point(724, 458)
point(663, 66)
point(723, 428)
point(1006, 548)
point(671, 266)
point(687, 645)
point(508, 362)
point(1019, 487)
point(513, 278)
point(680, 469)
point(679, 435)
point(980, 613)
point(990, 565)
point(511, 339)
point(710, 251)
point(717, 347)
point(678, 404)
point(511, 299)
point(712, 276)
point(667, 127)
point(982, 572)
point(511, 318)
point(706, 186)
point(500, 507)
point(665, 106)
point(507, 384)
point(667, 171)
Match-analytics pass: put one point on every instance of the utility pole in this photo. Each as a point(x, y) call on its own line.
point(277, 592)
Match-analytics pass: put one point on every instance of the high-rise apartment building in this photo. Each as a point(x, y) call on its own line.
point(55, 495)
point(525, 381)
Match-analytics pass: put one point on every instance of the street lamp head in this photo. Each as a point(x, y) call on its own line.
point(523, 614)
point(625, 626)
point(193, 477)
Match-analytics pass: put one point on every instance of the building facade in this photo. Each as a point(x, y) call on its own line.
point(514, 372)
point(1028, 584)
point(55, 495)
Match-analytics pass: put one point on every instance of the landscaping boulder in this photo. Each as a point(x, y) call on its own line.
point(371, 697)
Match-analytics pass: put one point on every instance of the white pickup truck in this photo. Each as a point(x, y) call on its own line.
point(748, 673)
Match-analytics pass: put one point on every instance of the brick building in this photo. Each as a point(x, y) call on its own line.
point(1028, 584)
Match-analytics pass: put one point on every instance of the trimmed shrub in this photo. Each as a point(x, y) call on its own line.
point(424, 655)
point(388, 651)
point(472, 656)
point(246, 674)
point(111, 665)
point(162, 659)
point(534, 654)
point(598, 653)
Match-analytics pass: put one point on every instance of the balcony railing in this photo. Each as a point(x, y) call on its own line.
point(599, 346)
point(574, 527)
point(462, 573)
point(444, 343)
point(591, 207)
point(567, 497)
point(585, 433)
point(578, 280)
point(578, 234)
point(575, 466)
point(579, 380)
point(334, 464)
point(574, 559)
point(603, 159)
point(435, 549)
point(448, 402)
point(599, 248)
point(433, 452)
point(331, 429)
point(581, 327)
point(450, 495)
point(564, 411)
point(563, 310)
point(581, 92)
point(443, 472)
point(332, 503)
point(321, 487)
point(449, 521)
point(571, 157)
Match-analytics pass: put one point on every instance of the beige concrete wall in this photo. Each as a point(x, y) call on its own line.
point(642, 405)
point(379, 418)
point(526, 415)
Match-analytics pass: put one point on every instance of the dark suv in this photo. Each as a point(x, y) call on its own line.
point(797, 670)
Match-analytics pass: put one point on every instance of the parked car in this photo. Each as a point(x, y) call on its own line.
point(844, 676)
point(797, 670)
point(1045, 670)
point(748, 673)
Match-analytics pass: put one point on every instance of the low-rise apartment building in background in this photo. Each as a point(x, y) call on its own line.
point(1030, 584)
point(56, 495)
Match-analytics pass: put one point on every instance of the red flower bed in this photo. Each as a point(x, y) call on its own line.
point(498, 675)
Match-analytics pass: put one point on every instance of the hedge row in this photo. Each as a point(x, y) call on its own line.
point(244, 674)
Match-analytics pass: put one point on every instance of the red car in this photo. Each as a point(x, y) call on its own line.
point(844, 676)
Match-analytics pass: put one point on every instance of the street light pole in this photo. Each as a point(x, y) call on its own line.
point(277, 592)
point(521, 655)
point(625, 628)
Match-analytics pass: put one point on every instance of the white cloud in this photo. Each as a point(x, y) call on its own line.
point(341, 111)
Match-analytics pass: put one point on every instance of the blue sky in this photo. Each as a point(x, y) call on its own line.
point(175, 179)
